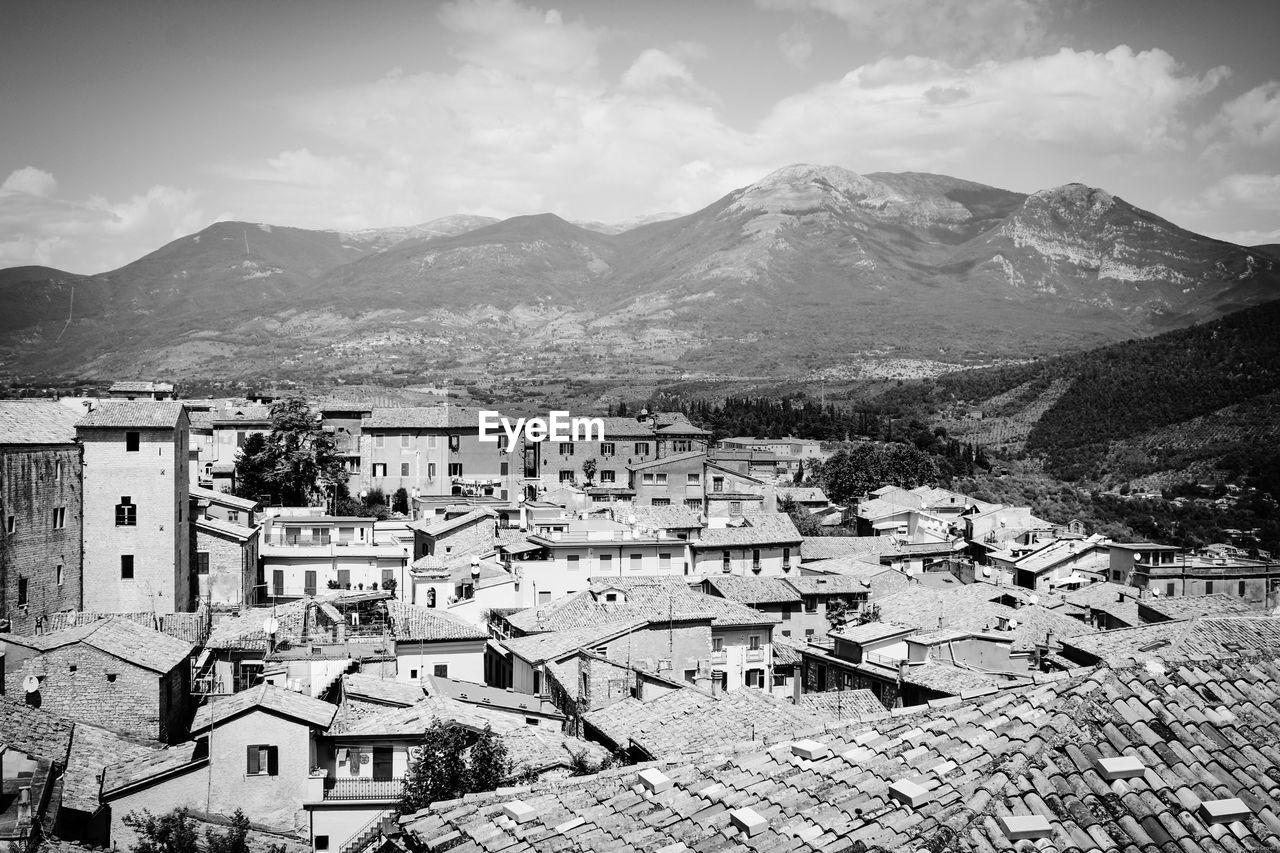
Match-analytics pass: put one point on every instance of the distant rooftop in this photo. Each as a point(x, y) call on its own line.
point(140, 414)
point(37, 422)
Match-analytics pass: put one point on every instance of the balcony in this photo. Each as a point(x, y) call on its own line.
point(720, 657)
point(755, 655)
point(363, 789)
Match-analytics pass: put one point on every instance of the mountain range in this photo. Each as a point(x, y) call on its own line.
point(811, 269)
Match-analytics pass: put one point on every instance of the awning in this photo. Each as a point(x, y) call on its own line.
point(498, 648)
point(1070, 580)
point(520, 547)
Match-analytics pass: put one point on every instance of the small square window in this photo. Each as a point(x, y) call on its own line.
point(440, 670)
point(404, 469)
point(132, 441)
point(111, 677)
point(322, 842)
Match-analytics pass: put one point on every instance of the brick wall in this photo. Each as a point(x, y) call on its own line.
point(475, 537)
point(136, 701)
point(155, 479)
point(34, 481)
point(232, 568)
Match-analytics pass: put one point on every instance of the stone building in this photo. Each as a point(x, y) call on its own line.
point(136, 515)
point(111, 673)
point(40, 500)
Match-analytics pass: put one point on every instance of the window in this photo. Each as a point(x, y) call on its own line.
point(233, 515)
point(610, 596)
point(574, 562)
point(566, 475)
point(664, 562)
point(1208, 587)
point(607, 477)
point(431, 470)
point(735, 507)
point(405, 442)
point(440, 670)
point(10, 524)
point(779, 680)
point(646, 479)
point(717, 484)
point(755, 559)
point(455, 442)
point(57, 469)
point(532, 721)
point(786, 612)
point(240, 437)
point(680, 446)
point(808, 632)
point(57, 573)
point(755, 678)
point(544, 597)
point(726, 561)
point(811, 604)
point(59, 518)
point(606, 562)
point(660, 502)
point(504, 468)
point(126, 567)
point(642, 448)
point(753, 642)
point(566, 448)
point(22, 591)
point(693, 503)
point(717, 644)
point(637, 561)
point(691, 675)
point(786, 558)
point(455, 469)
point(404, 469)
point(660, 479)
point(606, 448)
point(322, 842)
point(379, 469)
point(262, 760)
point(126, 512)
point(786, 633)
point(132, 441)
point(202, 562)
point(1240, 592)
point(379, 441)
point(695, 479)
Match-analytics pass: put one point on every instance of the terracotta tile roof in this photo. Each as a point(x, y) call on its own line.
point(954, 681)
point(1203, 731)
point(1219, 636)
point(222, 498)
point(760, 529)
point(37, 422)
point(870, 632)
point(492, 697)
point(444, 416)
point(844, 704)
point(118, 777)
point(412, 721)
point(670, 517)
point(786, 652)
point(541, 748)
point(265, 697)
point(243, 630)
point(121, 638)
point(828, 584)
point(219, 527)
point(968, 607)
point(753, 590)
point(385, 691)
point(414, 623)
point(1216, 604)
point(686, 720)
point(647, 603)
point(803, 494)
point(436, 528)
point(92, 751)
point(537, 648)
point(35, 732)
point(123, 414)
point(251, 413)
point(831, 547)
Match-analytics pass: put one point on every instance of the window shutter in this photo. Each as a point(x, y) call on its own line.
point(253, 767)
point(273, 761)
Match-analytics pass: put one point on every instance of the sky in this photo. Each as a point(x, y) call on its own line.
point(127, 124)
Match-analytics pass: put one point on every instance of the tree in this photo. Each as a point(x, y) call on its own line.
point(805, 522)
point(400, 502)
point(175, 832)
point(295, 463)
point(837, 612)
point(798, 479)
point(447, 765)
point(589, 470)
point(852, 473)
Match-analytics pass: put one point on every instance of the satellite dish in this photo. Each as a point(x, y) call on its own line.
point(986, 572)
point(31, 684)
point(271, 624)
point(1033, 599)
point(1013, 623)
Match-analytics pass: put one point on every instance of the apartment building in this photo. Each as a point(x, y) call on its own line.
point(435, 450)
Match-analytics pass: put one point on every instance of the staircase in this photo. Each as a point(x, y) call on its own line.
point(368, 834)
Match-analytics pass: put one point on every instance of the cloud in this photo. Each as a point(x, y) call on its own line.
point(30, 181)
point(956, 30)
point(90, 235)
point(1253, 191)
point(1250, 121)
point(796, 45)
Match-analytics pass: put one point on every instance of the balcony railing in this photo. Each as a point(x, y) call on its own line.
point(363, 789)
point(298, 541)
point(882, 660)
point(720, 657)
point(755, 654)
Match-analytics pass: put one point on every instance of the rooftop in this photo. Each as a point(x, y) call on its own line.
point(119, 637)
point(443, 416)
point(976, 767)
point(264, 697)
point(1215, 604)
point(124, 414)
point(384, 691)
point(753, 590)
point(644, 603)
point(1202, 638)
point(144, 768)
point(758, 529)
point(37, 422)
point(844, 704)
point(444, 525)
point(414, 623)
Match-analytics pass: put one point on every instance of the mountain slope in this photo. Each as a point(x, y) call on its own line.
point(812, 268)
